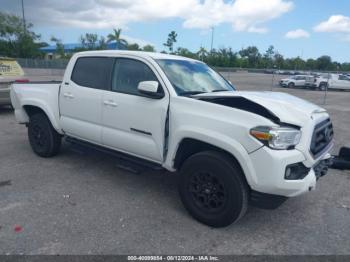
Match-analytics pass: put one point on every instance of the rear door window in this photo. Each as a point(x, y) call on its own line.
point(93, 72)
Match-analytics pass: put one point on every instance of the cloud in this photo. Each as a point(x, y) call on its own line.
point(243, 15)
point(133, 40)
point(298, 33)
point(247, 15)
point(334, 24)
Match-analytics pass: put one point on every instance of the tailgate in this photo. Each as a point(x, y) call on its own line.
point(5, 92)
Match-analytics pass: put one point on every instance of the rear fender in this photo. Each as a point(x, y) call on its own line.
point(22, 115)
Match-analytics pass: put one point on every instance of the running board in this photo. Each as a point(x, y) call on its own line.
point(127, 162)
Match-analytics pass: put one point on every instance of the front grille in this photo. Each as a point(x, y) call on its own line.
point(322, 136)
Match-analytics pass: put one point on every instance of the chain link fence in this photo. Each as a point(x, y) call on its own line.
point(43, 63)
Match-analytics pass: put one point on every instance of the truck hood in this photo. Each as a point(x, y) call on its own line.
point(287, 108)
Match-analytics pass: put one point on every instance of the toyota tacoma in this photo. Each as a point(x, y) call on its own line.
point(231, 148)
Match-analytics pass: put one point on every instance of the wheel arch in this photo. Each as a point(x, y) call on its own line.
point(190, 146)
point(30, 109)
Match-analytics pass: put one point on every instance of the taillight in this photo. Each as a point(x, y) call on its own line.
point(21, 81)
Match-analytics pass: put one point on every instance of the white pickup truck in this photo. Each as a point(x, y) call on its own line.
point(332, 81)
point(231, 148)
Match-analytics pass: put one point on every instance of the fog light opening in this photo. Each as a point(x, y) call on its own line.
point(296, 171)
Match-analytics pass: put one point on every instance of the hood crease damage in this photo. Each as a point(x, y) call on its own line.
point(243, 104)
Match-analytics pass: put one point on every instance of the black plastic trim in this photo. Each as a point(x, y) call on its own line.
point(266, 201)
point(299, 170)
point(123, 156)
point(38, 82)
point(141, 131)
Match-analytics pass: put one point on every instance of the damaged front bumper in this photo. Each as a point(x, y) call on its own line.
point(321, 168)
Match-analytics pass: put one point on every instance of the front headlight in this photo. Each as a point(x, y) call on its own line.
point(277, 137)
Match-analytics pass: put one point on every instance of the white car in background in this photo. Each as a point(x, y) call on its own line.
point(332, 81)
point(297, 80)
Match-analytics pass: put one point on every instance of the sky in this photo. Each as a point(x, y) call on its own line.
point(305, 28)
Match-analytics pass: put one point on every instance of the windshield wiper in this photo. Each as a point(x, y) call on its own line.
point(219, 90)
point(188, 93)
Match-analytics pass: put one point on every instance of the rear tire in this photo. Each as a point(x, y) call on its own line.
point(291, 85)
point(43, 138)
point(323, 86)
point(213, 189)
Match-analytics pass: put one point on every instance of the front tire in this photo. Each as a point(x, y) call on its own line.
point(43, 138)
point(213, 189)
point(291, 85)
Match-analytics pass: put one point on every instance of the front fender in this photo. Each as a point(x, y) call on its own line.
point(216, 139)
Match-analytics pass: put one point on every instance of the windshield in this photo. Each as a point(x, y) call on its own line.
point(192, 77)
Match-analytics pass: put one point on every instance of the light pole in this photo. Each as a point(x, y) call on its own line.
point(212, 39)
point(24, 21)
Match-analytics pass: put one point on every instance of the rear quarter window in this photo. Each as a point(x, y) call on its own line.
point(93, 72)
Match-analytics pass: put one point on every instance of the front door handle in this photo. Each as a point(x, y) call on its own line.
point(110, 103)
point(68, 95)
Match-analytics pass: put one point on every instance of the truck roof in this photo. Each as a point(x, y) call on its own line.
point(134, 53)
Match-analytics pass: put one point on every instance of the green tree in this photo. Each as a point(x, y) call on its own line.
point(17, 41)
point(269, 56)
point(202, 53)
point(89, 41)
point(59, 46)
point(115, 36)
point(149, 48)
point(311, 64)
point(279, 60)
point(324, 62)
point(185, 52)
point(134, 47)
point(170, 41)
point(252, 54)
point(345, 67)
point(102, 43)
point(299, 63)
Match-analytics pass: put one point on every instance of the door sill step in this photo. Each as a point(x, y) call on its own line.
point(127, 162)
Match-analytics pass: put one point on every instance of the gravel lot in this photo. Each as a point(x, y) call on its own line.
point(84, 203)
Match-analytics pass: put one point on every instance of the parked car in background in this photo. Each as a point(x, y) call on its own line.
point(332, 81)
point(297, 80)
point(10, 71)
point(231, 148)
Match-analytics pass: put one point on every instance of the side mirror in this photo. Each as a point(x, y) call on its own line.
point(150, 89)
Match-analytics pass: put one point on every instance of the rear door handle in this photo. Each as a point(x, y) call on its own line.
point(68, 95)
point(110, 103)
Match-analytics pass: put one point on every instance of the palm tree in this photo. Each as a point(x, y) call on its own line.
point(202, 53)
point(115, 36)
